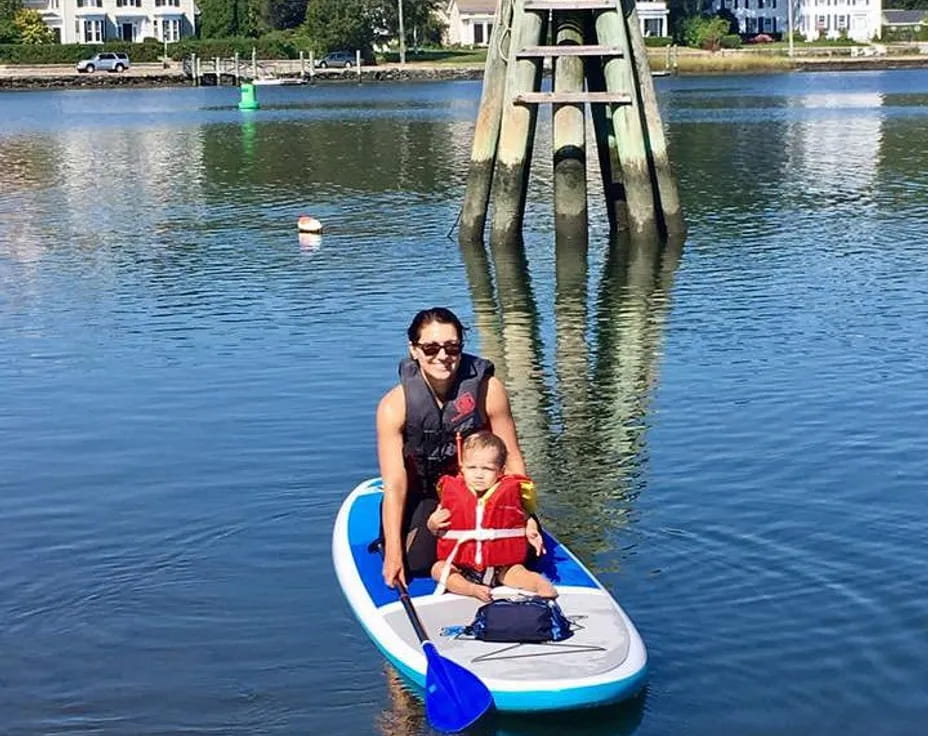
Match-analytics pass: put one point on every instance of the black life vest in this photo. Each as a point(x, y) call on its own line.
point(429, 434)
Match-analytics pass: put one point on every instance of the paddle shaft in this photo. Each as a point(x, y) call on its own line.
point(411, 612)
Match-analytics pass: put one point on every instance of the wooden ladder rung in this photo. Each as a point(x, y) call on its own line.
point(573, 98)
point(543, 5)
point(568, 50)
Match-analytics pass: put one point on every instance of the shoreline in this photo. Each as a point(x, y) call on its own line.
point(14, 77)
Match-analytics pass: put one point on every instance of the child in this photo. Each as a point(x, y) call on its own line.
point(481, 525)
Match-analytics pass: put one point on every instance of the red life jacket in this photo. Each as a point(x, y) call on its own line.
point(485, 531)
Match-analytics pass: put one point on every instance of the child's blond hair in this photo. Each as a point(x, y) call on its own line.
point(484, 439)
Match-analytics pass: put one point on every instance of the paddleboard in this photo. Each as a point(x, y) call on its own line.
point(604, 661)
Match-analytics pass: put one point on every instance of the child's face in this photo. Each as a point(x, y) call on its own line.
point(480, 468)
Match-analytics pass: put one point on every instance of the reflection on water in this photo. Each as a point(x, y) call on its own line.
point(405, 716)
point(586, 437)
point(188, 390)
point(834, 164)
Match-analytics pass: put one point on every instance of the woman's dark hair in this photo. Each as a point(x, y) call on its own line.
point(434, 314)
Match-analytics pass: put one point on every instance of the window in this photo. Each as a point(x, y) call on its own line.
point(478, 33)
point(752, 25)
point(90, 3)
point(170, 30)
point(842, 22)
point(760, 4)
point(128, 3)
point(163, 3)
point(652, 27)
point(773, 4)
point(93, 31)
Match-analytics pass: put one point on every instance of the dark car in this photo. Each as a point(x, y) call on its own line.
point(337, 60)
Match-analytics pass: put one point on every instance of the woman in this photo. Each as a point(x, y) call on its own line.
point(442, 393)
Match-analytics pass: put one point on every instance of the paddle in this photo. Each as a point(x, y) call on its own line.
point(455, 698)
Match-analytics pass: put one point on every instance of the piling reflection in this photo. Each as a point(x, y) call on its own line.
point(583, 437)
point(522, 350)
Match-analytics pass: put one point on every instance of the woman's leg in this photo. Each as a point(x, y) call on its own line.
point(420, 542)
point(517, 576)
point(457, 583)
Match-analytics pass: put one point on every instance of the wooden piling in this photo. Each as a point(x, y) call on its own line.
point(517, 127)
point(656, 143)
point(629, 131)
point(569, 132)
point(606, 149)
point(237, 73)
point(486, 133)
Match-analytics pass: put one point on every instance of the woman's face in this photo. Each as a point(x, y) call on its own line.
point(441, 365)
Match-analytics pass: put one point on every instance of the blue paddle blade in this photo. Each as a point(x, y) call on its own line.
point(455, 698)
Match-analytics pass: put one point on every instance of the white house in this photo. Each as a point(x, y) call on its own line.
point(860, 19)
point(470, 22)
point(96, 21)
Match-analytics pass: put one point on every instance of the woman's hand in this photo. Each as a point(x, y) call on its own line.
point(439, 521)
point(393, 568)
point(533, 535)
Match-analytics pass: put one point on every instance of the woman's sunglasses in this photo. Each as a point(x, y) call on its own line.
point(431, 349)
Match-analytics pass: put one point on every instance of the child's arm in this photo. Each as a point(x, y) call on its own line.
point(532, 525)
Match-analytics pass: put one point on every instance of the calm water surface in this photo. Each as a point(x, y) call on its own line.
point(732, 434)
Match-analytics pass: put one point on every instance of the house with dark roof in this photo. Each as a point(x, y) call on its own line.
point(903, 20)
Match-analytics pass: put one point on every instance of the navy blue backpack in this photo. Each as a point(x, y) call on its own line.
point(527, 620)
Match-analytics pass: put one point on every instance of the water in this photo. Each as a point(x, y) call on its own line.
point(731, 435)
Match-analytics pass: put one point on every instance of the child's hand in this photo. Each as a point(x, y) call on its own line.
point(533, 535)
point(439, 520)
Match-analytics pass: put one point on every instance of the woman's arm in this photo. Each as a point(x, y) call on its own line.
point(391, 415)
point(503, 426)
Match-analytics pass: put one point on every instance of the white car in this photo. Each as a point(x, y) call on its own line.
point(105, 61)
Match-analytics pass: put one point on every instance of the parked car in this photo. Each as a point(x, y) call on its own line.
point(337, 60)
point(105, 61)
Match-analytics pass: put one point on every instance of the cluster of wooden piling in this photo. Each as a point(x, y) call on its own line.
point(599, 58)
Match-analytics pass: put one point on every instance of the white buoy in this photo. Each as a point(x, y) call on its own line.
point(307, 224)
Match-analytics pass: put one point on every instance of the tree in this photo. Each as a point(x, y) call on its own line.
point(703, 32)
point(284, 14)
point(8, 31)
point(225, 18)
point(31, 29)
point(417, 15)
point(9, 8)
point(342, 24)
